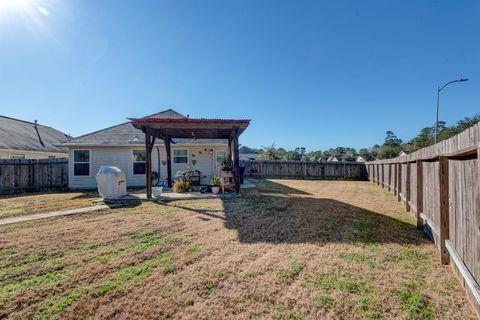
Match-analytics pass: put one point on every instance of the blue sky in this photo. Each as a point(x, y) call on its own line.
point(317, 74)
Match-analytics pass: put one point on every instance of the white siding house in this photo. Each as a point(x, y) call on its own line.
point(246, 153)
point(123, 146)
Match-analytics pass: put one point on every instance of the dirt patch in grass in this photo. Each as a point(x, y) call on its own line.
point(12, 206)
point(286, 250)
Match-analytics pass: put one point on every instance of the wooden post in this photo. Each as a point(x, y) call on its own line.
point(378, 174)
point(236, 162)
point(394, 185)
point(229, 151)
point(407, 188)
point(149, 142)
point(389, 177)
point(399, 181)
point(382, 173)
point(168, 149)
point(419, 203)
point(444, 208)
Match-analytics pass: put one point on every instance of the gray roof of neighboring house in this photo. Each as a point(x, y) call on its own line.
point(245, 149)
point(126, 134)
point(22, 135)
point(332, 158)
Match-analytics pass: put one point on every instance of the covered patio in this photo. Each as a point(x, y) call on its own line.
point(168, 129)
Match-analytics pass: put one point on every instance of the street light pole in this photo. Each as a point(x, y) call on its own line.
point(438, 102)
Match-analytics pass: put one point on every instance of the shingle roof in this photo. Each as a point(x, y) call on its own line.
point(127, 134)
point(170, 114)
point(17, 134)
point(245, 149)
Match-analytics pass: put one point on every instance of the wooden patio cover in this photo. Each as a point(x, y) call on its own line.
point(168, 129)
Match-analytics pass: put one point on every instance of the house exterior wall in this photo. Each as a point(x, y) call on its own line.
point(7, 154)
point(122, 157)
point(248, 156)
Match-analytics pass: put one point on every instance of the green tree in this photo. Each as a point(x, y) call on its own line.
point(467, 122)
point(293, 155)
point(270, 153)
point(350, 155)
point(365, 154)
point(391, 147)
point(314, 155)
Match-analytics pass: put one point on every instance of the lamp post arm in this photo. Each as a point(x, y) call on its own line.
point(446, 84)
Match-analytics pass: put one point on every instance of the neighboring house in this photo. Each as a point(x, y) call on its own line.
point(360, 159)
point(123, 146)
point(402, 154)
point(29, 140)
point(332, 158)
point(246, 153)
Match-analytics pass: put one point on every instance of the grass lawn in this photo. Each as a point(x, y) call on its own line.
point(12, 206)
point(286, 250)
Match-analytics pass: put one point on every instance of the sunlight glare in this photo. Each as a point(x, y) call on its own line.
point(34, 15)
point(14, 6)
point(26, 9)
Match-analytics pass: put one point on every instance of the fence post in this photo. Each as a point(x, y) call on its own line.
point(399, 181)
point(419, 203)
point(444, 208)
point(378, 174)
point(389, 177)
point(394, 184)
point(383, 175)
point(407, 188)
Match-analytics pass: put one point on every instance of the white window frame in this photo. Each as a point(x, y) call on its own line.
point(188, 156)
point(89, 163)
point(133, 162)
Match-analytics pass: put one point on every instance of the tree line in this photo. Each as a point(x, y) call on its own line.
point(391, 147)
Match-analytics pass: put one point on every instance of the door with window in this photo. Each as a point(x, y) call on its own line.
point(220, 155)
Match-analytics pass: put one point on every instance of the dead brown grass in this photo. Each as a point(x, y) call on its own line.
point(287, 250)
point(39, 203)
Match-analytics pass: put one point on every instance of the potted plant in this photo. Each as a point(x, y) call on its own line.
point(227, 175)
point(215, 184)
point(227, 165)
point(182, 182)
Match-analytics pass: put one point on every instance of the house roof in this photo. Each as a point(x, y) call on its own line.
point(125, 134)
point(245, 149)
point(22, 135)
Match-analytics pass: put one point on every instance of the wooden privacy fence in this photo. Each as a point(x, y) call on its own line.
point(324, 170)
point(440, 186)
point(30, 175)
